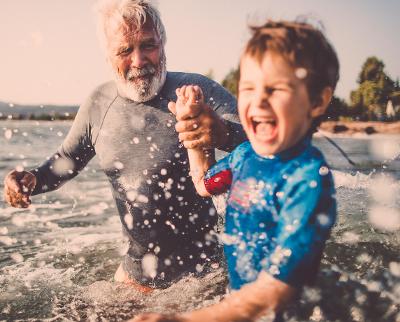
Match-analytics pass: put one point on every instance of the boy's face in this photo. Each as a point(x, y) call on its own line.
point(274, 105)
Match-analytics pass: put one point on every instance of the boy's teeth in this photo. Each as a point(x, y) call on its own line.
point(263, 120)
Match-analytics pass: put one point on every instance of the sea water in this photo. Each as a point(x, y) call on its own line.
point(58, 257)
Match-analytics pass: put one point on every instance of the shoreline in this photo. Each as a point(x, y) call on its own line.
point(358, 127)
point(347, 128)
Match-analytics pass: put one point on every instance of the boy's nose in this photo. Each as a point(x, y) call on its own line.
point(262, 100)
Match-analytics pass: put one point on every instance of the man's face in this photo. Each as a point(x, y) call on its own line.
point(274, 105)
point(137, 58)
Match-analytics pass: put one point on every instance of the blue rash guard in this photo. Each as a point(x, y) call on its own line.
point(280, 212)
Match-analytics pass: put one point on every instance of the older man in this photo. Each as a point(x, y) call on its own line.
point(126, 123)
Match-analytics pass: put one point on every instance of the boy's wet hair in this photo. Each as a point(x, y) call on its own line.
point(303, 46)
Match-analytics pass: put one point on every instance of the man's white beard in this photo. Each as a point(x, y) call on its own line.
point(142, 90)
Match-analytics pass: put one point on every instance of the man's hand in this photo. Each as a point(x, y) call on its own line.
point(18, 186)
point(199, 127)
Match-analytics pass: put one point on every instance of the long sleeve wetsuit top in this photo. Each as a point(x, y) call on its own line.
point(148, 169)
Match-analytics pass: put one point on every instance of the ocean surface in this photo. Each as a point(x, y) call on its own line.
point(58, 257)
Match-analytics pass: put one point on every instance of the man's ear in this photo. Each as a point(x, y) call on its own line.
point(322, 102)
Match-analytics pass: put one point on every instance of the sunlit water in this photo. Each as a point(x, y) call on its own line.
point(57, 258)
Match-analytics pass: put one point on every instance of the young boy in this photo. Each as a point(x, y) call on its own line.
point(281, 205)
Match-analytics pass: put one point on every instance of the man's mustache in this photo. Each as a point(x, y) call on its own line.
point(135, 72)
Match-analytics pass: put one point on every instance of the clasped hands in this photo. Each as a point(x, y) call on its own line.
point(198, 126)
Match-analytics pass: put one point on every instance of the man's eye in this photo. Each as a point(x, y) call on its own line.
point(148, 46)
point(125, 51)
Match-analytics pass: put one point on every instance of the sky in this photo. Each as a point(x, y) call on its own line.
point(50, 53)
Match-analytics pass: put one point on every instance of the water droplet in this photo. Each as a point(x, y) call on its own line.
point(19, 168)
point(313, 184)
point(142, 198)
point(385, 218)
point(323, 219)
point(17, 257)
point(62, 166)
point(323, 171)
point(149, 265)
point(394, 268)
point(301, 73)
point(3, 230)
point(119, 165)
point(128, 219)
point(274, 270)
point(350, 238)
point(199, 268)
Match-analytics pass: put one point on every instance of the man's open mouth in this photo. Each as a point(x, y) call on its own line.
point(144, 77)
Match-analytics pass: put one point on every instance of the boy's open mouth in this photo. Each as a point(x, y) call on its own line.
point(264, 128)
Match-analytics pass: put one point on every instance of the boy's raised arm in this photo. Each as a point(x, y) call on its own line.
point(200, 161)
point(189, 104)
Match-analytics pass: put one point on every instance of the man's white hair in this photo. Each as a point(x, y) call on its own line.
point(132, 12)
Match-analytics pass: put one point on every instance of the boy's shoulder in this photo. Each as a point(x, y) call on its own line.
point(240, 152)
point(243, 148)
point(311, 165)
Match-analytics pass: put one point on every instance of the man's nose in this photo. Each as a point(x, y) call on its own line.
point(138, 58)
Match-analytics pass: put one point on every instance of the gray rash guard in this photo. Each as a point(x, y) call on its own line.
point(148, 169)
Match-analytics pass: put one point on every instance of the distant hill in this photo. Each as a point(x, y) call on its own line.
point(17, 111)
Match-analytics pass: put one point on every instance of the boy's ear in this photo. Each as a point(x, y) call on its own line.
point(322, 102)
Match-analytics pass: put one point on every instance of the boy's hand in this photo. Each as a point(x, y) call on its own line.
point(189, 103)
point(156, 317)
point(199, 127)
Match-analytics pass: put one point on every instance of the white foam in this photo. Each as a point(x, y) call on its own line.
point(384, 149)
point(357, 180)
point(384, 218)
point(384, 189)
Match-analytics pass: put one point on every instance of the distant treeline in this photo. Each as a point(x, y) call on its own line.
point(11, 111)
point(377, 97)
point(39, 117)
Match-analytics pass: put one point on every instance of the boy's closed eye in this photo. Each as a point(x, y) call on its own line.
point(246, 87)
point(271, 90)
